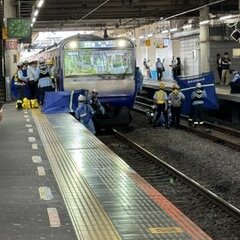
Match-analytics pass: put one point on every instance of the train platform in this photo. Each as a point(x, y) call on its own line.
point(58, 181)
point(223, 92)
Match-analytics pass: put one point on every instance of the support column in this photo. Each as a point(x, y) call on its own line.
point(11, 48)
point(204, 42)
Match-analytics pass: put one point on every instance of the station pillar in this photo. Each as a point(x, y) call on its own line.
point(11, 49)
point(204, 42)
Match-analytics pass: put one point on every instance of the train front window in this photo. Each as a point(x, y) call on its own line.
point(98, 62)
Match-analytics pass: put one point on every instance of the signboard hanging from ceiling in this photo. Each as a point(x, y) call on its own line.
point(19, 28)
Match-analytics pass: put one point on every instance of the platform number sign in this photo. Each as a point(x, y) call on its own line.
point(19, 28)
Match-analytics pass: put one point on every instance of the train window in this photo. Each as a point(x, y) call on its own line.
point(86, 62)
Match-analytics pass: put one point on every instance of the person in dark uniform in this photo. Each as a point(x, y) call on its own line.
point(219, 67)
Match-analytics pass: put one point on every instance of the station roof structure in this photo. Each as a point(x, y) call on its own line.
point(57, 15)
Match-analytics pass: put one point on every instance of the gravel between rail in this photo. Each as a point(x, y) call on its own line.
point(213, 165)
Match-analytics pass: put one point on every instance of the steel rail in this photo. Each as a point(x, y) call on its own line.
point(190, 182)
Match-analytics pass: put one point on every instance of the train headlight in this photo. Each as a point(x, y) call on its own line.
point(121, 43)
point(73, 44)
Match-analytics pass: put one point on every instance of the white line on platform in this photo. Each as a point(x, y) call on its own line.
point(26, 112)
point(30, 130)
point(31, 139)
point(26, 116)
point(41, 171)
point(27, 120)
point(45, 193)
point(36, 159)
point(53, 216)
point(28, 125)
point(34, 146)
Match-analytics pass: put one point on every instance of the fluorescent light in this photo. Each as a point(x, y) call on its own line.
point(133, 38)
point(225, 17)
point(165, 31)
point(31, 24)
point(187, 26)
point(141, 37)
point(34, 20)
point(173, 29)
point(36, 12)
point(40, 3)
point(150, 35)
point(204, 22)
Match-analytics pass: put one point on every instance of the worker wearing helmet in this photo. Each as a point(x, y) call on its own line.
point(160, 97)
point(52, 70)
point(33, 75)
point(176, 99)
point(198, 96)
point(84, 113)
point(96, 104)
point(44, 81)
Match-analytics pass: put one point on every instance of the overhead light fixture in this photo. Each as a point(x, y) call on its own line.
point(225, 17)
point(150, 35)
point(34, 20)
point(141, 37)
point(165, 31)
point(204, 22)
point(173, 30)
point(40, 3)
point(36, 12)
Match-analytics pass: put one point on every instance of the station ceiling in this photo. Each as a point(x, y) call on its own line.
point(57, 15)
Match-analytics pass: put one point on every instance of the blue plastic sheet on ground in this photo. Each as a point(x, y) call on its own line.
point(154, 74)
point(187, 85)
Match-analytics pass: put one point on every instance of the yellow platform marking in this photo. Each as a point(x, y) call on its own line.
point(161, 230)
point(53, 216)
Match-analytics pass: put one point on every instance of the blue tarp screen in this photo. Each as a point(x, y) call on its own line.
point(187, 85)
point(61, 102)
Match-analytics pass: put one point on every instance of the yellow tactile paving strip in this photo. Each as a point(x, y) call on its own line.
point(88, 217)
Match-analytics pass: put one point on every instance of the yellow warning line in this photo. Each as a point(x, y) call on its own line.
point(164, 230)
point(89, 219)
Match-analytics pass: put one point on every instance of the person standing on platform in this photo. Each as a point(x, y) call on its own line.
point(159, 69)
point(33, 75)
point(161, 100)
point(146, 65)
point(235, 83)
point(20, 81)
point(84, 113)
point(219, 67)
point(44, 81)
point(52, 70)
point(226, 62)
point(198, 96)
point(176, 98)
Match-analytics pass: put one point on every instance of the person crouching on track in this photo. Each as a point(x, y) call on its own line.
point(160, 97)
point(96, 104)
point(198, 96)
point(235, 83)
point(176, 98)
point(84, 113)
point(44, 81)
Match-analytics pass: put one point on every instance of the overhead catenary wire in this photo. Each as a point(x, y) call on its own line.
point(92, 11)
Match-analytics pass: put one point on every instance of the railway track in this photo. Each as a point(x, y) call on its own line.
point(217, 217)
point(219, 134)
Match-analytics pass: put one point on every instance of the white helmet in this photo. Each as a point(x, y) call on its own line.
point(198, 85)
point(94, 91)
point(19, 64)
point(41, 60)
point(81, 98)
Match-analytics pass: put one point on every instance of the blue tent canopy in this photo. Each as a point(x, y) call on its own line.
point(188, 85)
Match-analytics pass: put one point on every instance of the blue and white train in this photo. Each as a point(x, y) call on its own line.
point(106, 64)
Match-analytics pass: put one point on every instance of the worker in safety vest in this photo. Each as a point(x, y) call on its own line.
point(160, 97)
